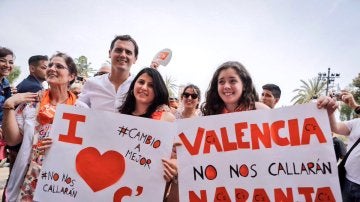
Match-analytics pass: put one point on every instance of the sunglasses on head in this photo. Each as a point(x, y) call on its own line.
point(193, 96)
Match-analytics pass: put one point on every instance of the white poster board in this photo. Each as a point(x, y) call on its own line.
point(104, 156)
point(283, 154)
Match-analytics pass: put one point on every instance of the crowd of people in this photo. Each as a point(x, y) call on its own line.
point(27, 115)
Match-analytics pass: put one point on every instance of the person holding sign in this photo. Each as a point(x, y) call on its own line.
point(30, 123)
point(190, 99)
point(351, 184)
point(148, 97)
point(231, 90)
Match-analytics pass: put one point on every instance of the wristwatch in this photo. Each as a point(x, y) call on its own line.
point(357, 110)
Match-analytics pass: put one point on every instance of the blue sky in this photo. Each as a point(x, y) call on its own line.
point(278, 41)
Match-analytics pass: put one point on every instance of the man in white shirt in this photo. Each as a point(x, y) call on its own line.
point(351, 187)
point(107, 92)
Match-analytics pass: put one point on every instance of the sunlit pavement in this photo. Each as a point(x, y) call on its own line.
point(4, 173)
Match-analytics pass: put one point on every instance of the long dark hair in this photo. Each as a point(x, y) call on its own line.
point(215, 105)
point(161, 94)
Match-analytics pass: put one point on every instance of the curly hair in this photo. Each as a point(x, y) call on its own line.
point(215, 105)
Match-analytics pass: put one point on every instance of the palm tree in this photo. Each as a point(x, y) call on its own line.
point(308, 91)
point(83, 66)
point(14, 74)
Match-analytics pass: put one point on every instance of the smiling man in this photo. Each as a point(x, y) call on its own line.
point(37, 68)
point(270, 95)
point(107, 92)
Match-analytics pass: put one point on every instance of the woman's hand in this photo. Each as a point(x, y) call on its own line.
point(170, 169)
point(44, 145)
point(19, 98)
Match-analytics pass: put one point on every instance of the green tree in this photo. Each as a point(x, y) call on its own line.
point(346, 113)
point(14, 74)
point(83, 66)
point(171, 86)
point(308, 91)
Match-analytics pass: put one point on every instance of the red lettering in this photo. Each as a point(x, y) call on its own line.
point(306, 191)
point(195, 198)
point(260, 195)
point(241, 195)
point(294, 132)
point(275, 127)
point(210, 172)
point(221, 195)
point(239, 135)
point(211, 139)
point(228, 146)
point(193, 149)
point(311, 127)
point(73, 120)
point(324, 194)
point(256, 135)
point(281, 196)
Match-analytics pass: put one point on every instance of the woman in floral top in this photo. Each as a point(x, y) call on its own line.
point(31, 122)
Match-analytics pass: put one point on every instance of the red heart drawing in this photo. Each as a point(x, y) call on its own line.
point(100, 171)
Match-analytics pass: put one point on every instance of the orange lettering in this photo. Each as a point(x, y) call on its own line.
point(260, 195)
point(239, 135)
point(294, 132)
point(275, 127)
point(257, 135)
point(241, 195)
point(221, 195)
point(228, 146)
point(211, 139)
point(306, 191)
point(193, 150)
point(70, 137)
point(311, 127)
point(195, 198)
point(281, 196)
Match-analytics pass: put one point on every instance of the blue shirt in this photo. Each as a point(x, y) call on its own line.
point(5, 93)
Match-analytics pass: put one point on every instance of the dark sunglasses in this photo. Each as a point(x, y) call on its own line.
point(193, 96)
point(100, 73)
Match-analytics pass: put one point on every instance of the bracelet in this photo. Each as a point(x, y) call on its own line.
point(357, 110)
point(8, 108)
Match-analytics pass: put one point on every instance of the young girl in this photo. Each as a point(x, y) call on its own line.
point(231, 90)
point(148, 97)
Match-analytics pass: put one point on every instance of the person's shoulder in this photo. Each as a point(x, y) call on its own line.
point(168, 116)
point(81, 104)
point(260, 105)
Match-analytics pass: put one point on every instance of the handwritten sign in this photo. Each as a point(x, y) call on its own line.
point(104, 156)
point(283, 154)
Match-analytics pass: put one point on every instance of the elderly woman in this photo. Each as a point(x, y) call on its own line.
point(30, 123)
point(148, 97)
point(190, 99)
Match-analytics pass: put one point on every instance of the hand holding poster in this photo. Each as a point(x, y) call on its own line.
point(104, 156)
point(284, 154)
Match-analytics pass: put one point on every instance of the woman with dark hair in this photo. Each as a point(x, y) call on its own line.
point(190, 99)
point(6, 66)
point(148, 97)
point(231, 90)
point(30, 123)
